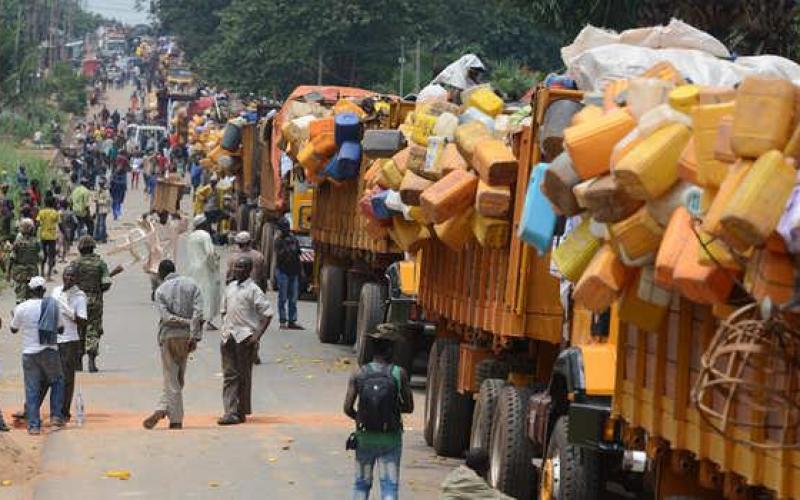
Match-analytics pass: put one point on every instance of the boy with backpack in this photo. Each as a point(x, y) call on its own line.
point(383, 392)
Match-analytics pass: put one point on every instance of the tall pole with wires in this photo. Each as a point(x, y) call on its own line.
point(417, 57)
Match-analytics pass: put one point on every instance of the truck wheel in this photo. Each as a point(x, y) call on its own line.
point(330, 313)
point(569, 471)
point(490, 368)
point(370, 315)
point(510, 453)
point(453, 411)
point(430, 391)
point(481, 434)
point(355, 281)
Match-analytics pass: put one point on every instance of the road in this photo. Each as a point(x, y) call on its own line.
point(293, 447)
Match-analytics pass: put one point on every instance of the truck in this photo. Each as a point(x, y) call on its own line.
point(344, 265)
point(567, 402)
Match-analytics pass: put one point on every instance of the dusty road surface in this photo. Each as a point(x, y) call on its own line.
point(292, 448)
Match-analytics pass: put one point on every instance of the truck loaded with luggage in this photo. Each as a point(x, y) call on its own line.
point(610, 272)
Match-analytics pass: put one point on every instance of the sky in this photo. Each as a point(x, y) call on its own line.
point(123, 10)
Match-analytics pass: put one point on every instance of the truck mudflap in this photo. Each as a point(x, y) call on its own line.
point(588, 420)
point(569, 366)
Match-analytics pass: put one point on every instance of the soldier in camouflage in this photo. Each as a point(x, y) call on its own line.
point(94, 279)
point(25, 259)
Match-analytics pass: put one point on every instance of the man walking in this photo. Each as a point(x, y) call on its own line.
point(39, 321)
point(287, 273)
point(94, 279)
point(81, 199)
point(203, 267)
point(72, 304)
point(25, 259)
point(48, 219)
point(383, 393)
point(102, 203)
point(246, 314)
point(180, 308)
point(245, 249)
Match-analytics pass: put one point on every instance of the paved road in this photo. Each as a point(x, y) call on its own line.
point(292, 448)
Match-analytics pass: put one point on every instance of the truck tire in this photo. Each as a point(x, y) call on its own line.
point(355, 281)
point(510, 453)
point(370, 315)
point(482, 417)
point(430, 387)
point(453, 411)
point(267, 241)
point(490, 368)
point(330, 312)
point(569, 471)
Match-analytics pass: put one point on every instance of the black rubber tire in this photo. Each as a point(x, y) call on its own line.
point(267, 242)
point(483, 416)
point(580, 468)
point(330, 312)
point(510, 452)
point(453, 414)
point(370, 314)
point(490, 368)
point(430, 391)
point(355, 281)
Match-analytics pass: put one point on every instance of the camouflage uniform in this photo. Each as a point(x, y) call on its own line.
point(93, 279)
point(24, 263)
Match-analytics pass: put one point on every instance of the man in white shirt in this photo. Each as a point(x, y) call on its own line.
point(72, 304)
point(246, 314)
point(39, 322)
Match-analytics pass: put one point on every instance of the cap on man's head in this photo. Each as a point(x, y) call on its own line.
point(199, 220)
point(242, 237)
point(37, 282)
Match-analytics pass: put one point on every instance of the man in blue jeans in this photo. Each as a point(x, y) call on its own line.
point(383, 393)
point(287, 274)
point(39, 322)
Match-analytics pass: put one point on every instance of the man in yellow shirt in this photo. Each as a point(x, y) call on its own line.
point(48, 219)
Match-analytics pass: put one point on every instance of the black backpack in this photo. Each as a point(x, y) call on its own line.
point(379, 399)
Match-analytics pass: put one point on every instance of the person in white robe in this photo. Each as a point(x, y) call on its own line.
point(202, 265)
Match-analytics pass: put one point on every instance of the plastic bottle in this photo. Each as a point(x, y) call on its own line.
point(80, 414)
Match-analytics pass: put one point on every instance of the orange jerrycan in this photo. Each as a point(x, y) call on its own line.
point(456, 231)
point(449, 196)
point(763, 115)
point(602, 282)
point(677, 235)
point(590, 144)
point(698, 283)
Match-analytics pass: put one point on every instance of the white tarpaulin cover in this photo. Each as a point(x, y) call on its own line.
point(597, 56)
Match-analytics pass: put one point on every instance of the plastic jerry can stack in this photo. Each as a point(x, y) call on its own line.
point(637, 237)
point(495, 163)
point(493, 201)
point(391, 174)
point(590, 144)
point(469, 135)
point(651, 168)
point(645, 94)
point(449, 196)
point(677, 235)
point(701, 284)
point(771, 274)
point(574, 253)
point(557, 118)
point(490, 232)
point(605, 199)
point(451, 159)
point(757, 205)
point(643, 314)
point(456, 231)
point(602, 282)
point(382, 143)
point(347, 128)
point(538, 218)
point(559, 179)
point(423, 128)
point(345, 165)
point(684, 97)
point(762, 116)
point(412, 186)
point(485, 100)
point(705, 121)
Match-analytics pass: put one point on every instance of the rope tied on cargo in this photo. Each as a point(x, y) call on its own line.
point(748, 389)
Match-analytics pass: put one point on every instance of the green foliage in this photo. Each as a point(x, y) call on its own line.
point(271, 46)
point(512, 80)
point(68, 88)
point(36, 166)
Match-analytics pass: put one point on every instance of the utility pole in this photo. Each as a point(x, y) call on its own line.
point(417, 65)
point(319, 68)
point(402, 61)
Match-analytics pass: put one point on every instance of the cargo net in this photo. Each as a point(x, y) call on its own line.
point(748, 389)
